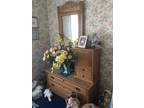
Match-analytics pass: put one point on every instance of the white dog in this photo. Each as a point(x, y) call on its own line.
point(48, 94)
point(37, 92)
point(34, 105)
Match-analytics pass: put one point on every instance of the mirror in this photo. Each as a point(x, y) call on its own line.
point(70, 17)
point(70, 26)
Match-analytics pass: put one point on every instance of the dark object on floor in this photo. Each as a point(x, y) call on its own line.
point(57, 102)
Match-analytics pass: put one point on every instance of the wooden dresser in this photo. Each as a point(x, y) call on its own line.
point(84, 79)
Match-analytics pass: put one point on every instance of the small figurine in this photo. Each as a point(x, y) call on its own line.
point(95, 41)
point(72, 101)
point(48, 94)
point(105, 100)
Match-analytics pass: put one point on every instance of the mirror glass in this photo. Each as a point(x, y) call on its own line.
point(70, 26)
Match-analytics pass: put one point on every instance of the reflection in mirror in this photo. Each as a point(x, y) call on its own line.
point(70, 26)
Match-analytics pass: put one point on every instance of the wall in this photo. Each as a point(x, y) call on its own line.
point(39, 9)
point(98, 19)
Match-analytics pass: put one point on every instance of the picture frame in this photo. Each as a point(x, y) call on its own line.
point(35, 34)
point(34, 22)
point(82, 41)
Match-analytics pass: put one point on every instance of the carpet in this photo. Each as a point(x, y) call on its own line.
point(57, 102)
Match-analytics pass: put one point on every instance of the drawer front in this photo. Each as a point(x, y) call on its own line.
point(58, 89)
point(84, 58)
point(84, 76)
point(84, 73)
point(74, 88)
point(64, 84)
point(82, 93)
point(83, 69)
point(54, 78)
point(65, 88)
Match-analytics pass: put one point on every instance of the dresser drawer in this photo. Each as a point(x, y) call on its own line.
point(74, 88)
point(84, 57)
point(59, 89)
point(83, 69)
point(84, 76)
point(54, 78)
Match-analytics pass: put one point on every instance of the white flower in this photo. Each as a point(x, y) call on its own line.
point(44, 58)
point(46, 51)
point(44, 54)
point(51, 49)
point(47, 56)
point(53, 53)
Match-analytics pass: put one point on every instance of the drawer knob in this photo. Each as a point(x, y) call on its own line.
point(83, 76)
point(83, 69)
point(52, 77)
point(78, 89)
point(52, 85)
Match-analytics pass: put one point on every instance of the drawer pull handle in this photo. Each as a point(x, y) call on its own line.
point(83, 76)
point(52, 85)
point(83, 69)
point(52, 77)
point(78, 89)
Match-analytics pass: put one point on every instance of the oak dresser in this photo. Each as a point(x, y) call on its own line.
point(84, 80)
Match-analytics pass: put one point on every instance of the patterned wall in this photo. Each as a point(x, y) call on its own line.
point(98, 19)
point(39, 9)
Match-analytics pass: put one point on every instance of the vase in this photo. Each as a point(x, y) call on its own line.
point(66, 68)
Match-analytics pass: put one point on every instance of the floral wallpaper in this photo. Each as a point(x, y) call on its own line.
point(98, 19)
point(39, 9)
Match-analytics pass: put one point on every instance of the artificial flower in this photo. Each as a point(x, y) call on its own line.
point(59, 56)
point(46, 51)
point(69, 56)
point(44, 58)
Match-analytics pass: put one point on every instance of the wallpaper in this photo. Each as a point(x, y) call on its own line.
point(98, 19)
point(39, 9)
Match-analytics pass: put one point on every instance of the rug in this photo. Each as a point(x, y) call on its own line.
point(57, 102)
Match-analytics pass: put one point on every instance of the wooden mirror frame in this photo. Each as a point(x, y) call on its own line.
point(70, 8)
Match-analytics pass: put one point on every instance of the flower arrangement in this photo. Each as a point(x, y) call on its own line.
point(60, 57)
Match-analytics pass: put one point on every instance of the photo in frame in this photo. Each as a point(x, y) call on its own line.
point(35, 34)
point(82, 41)
point(34, 22)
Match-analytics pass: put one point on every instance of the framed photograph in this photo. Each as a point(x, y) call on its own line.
point(82, 41)
point(35, 34)
point(34, 22)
